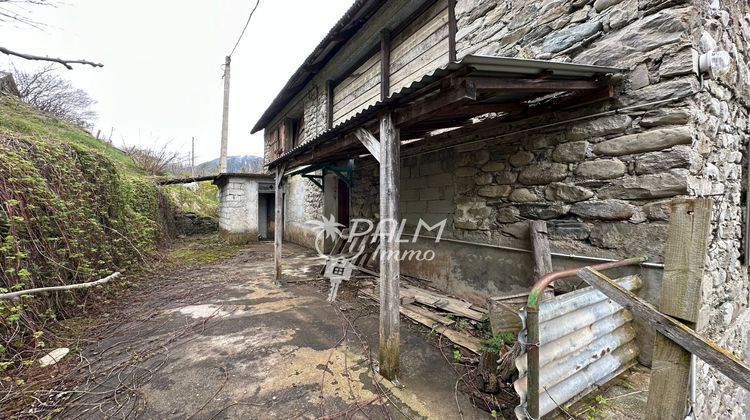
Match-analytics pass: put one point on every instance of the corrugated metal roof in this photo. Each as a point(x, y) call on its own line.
point(500, 67)
point(354, 18)
point(585, 339)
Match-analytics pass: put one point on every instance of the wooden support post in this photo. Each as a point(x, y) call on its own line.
point(385, 63)
point(684, 261)
point(278, 223)
point(329, 104)
point(542, 254)
point(389, 353)
point(540, 246)
point(452, 30)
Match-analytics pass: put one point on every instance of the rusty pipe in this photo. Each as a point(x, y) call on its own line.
point(532, 326)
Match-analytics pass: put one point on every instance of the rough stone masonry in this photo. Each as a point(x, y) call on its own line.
point(604, 181)
point(604, 184)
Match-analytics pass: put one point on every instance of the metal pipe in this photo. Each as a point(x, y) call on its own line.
point(528, 251)
point(532, 322)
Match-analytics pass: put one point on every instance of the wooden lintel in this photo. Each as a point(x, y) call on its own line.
point(490, 84)
point(369, 141)
point(422, 110)
point(705, 349)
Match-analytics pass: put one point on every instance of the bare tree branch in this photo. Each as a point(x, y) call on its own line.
point(14, 295)
point(66, 63)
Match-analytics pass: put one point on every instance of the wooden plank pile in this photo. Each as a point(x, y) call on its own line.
point(415, 301)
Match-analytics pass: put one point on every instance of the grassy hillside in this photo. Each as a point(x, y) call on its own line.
point(72, 209)
point(203, 201)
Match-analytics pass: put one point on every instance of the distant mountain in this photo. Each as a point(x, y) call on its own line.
point(245, 164)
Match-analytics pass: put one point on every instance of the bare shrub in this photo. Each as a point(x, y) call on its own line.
point(156, 161)
point(45, 90)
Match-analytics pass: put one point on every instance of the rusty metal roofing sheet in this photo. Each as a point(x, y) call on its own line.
point(499, 67)
point(585, 340)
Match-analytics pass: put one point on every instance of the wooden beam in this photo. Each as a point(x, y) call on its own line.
point(278, 223)
point(385, 63)
point(484, 108)
point(329, 104)
point(540, 248)
point(452, 30)
point(369, 141)
point(490, 84)
point(708, 351)
point(422, 110)
point(389, 354)
point(684, 264)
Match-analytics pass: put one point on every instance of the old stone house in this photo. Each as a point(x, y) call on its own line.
point(591, 115)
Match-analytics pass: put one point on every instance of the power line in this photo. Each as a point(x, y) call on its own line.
point(243, 29)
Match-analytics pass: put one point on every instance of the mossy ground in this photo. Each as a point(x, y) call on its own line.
point(203, 250)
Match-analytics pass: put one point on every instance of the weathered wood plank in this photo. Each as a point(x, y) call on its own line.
point(424, 64)
point(540, 247)
point(421, 31)
point(368, 98)
point(452, 30)
point(389, 354)
point(362, 80)
point(369, 141)
point(685, 258)
point(708, 351)
point(533, 85)
point(684, 263)
point(385, 63)
point(329, 104)
point(418, 315)
point(433, 46)
point(445, 303)
point(422, 110)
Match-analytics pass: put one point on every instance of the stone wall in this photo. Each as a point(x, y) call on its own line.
point(723, 141)
point(603, 183)
point(238, 210)
point(303, 202)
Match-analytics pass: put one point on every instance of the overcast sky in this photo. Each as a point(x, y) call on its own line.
point(162, 60)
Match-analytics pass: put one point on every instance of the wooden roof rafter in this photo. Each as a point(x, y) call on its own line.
point(455, 95)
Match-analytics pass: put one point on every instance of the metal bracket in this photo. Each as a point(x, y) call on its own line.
point(345, 173)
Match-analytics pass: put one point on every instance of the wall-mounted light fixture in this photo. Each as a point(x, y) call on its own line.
point(714, 64)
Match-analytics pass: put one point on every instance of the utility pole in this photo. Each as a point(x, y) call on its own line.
point(225, 119)
point(192, 159)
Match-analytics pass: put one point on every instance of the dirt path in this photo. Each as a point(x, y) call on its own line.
point(220, 340)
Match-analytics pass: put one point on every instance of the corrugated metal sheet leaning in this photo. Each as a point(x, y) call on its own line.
point(585, 339)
